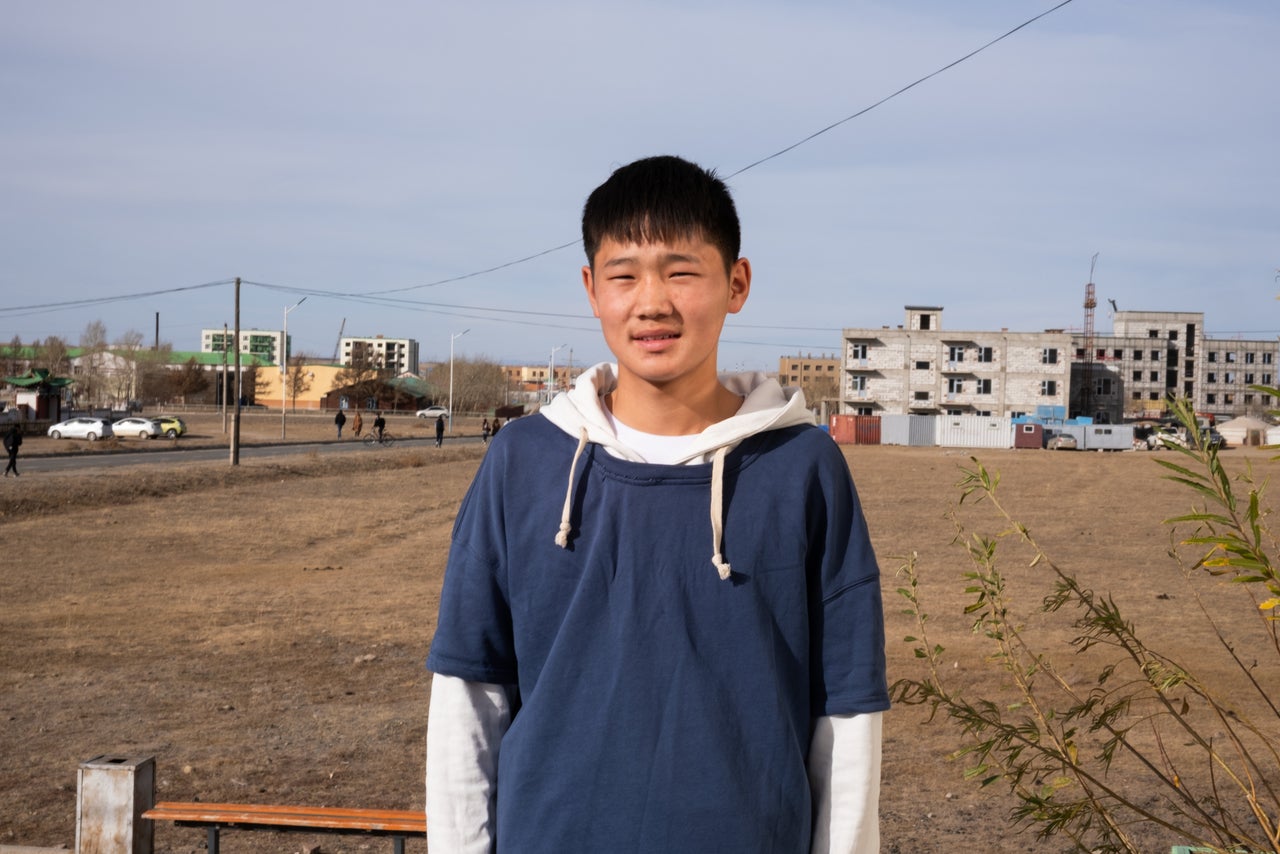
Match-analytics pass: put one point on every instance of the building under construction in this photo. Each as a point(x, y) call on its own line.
point(1148, 359)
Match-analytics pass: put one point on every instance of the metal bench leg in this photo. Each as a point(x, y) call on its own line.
point(399, 845)
point(211, 838)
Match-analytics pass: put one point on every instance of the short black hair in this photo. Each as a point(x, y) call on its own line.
point(662, 199)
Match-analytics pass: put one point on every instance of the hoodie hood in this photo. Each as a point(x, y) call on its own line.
point(765, 406)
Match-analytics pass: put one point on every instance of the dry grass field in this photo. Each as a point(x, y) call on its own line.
point(261, 629)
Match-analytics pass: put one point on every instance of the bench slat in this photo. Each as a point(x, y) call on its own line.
point(324, 818)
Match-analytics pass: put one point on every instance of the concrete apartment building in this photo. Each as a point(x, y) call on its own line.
point(399, 354)
point(266, 344)
point(922, 368)
point(1154, 356)
point(818, 377)
point(1150, 358)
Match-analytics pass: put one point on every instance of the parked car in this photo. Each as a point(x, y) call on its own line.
point(1063, 442)
point(143, 428)
point(170, 425)
point(92, 429)
point(1163, 437)
point(434, 412)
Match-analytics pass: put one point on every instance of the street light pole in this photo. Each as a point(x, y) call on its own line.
point(452, 338)
point(284, 361)
point(551, 372)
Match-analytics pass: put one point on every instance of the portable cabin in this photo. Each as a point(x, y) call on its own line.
point(974, 431)
point(1028, 434)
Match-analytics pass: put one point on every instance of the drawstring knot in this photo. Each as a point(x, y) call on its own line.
point(562, 536)
point(717, 513)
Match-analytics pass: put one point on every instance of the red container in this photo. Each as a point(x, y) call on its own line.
point(866, 429)
point(843, 429)
point(855, 429)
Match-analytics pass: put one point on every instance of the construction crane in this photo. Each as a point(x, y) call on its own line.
point(1086, 373)
point(338, 344)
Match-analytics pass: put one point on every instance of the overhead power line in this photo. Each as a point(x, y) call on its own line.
point(776, 154)
point(364, 296)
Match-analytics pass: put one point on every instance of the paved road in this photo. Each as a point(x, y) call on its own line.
point(91, 462)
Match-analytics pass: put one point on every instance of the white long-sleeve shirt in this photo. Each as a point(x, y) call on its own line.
point(467, 720)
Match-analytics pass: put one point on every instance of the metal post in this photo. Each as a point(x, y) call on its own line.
point(551, 372)
point(222, 388)
point(284, 361)
point(235, 417)
point(451, 340)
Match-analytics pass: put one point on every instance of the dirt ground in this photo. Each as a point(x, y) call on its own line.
point(261, 629)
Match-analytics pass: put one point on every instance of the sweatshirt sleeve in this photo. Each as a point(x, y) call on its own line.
point(465, 725)
point(844, 776)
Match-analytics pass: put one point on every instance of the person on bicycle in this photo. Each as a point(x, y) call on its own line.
point(379, 425)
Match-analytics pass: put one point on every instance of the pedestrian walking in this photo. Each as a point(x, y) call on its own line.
point(12, 442)
point(340, 419)
point(357, 424)
point(484, 431)
point(439, 431)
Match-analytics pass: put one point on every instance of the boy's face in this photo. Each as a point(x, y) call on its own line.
point(662, 306)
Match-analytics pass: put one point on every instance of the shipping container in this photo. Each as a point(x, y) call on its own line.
point(916, 431)
point(842, 429)
point(867, 429)
point(855, 429)
point(974, 431)
point(1108, 437)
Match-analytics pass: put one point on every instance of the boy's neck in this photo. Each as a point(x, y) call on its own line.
point(673, 409)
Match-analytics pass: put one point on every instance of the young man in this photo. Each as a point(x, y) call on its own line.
point(661, 627)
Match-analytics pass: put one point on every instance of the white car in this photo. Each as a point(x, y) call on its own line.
point(92, 429)
point(434, 412)
point(143, 428)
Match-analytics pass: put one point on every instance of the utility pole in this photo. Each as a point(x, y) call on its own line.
point(551, 372)
point(284, 360)
point(452, 338)
point(235, 419)
point(222, 390)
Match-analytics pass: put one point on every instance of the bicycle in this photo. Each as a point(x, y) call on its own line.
point(387, 439)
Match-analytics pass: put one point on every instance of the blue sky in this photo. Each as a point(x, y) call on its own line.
point(333, 148)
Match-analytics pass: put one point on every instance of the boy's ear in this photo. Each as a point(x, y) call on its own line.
point(739, 284)
point(589, 282)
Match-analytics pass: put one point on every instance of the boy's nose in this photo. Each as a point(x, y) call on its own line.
point(653, 297)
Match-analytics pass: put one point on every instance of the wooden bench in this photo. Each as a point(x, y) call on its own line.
point(398, 824)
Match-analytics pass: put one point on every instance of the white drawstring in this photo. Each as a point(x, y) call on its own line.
point(717, 509)
point(717, 505)
point(562, 536)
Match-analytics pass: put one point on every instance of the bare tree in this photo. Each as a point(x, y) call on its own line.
point(478, 383)
point(91, 380)
point(51, 354)
point(124, 382)
point(15, 360)
point(153, 374)
point(297, 379)
point(364, 376)
point(189, 381)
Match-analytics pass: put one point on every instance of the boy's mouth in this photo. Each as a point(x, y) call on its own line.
point(654, 341)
